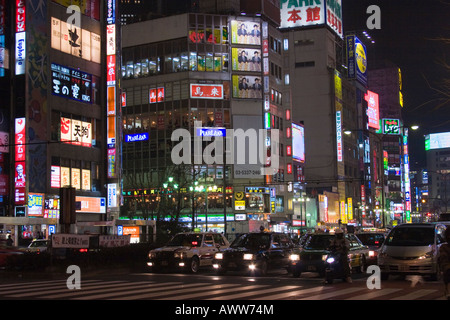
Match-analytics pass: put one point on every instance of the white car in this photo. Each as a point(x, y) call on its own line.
point(187, 251)
point(38, 246)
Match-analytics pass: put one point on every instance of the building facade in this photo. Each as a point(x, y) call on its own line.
point(53, 81)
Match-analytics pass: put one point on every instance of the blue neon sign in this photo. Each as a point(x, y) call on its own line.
point(136, 137)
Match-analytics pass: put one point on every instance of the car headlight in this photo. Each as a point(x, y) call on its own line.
point(218, 256)
point(324, 257)
point(248, 256)
point(294, 257)
point(330, 260)
point(372, 253)
point(427, 255)
point(152, 255)
point(178, 254)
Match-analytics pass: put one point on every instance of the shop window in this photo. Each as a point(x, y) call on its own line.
point(193, 61)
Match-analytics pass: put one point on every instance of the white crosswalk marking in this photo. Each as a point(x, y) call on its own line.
point(295, 293)
point(186, 288)
point(204, 290)
point(214, 292)
point(334, 294)
point(375, 293)
point(247, 294)
point(414, 295)
point(153, 287)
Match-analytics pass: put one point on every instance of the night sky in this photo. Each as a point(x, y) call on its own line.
point(409, 35)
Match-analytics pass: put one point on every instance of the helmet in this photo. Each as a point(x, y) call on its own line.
point(338, 231)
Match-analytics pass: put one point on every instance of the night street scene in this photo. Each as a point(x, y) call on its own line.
point(205, 153)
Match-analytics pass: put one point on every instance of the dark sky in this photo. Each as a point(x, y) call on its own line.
point(409, 35)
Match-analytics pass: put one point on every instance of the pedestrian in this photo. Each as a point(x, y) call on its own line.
point(444, 262)
point(341, 245)
point(9, 241)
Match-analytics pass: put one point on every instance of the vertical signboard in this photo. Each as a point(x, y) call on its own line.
point(20, 37)
point(406, 178)
point(356, 60)
point(111, 68)
point(19, 165)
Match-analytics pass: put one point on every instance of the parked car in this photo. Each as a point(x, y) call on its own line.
point(412, 248)
point(374, 241)
point(256, 253)
point(187, 251)
point(315, 251)
point(38, 246)
point(7, 253)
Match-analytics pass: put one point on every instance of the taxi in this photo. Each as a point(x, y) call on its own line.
point(314, 253)
point(187, 251)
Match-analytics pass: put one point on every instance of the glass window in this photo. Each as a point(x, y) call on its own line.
point(137, 70)
point(208, 241)
point(201, 63)
point(184, 63)
point(130, 69)
point(144, 67)
point(193, 61)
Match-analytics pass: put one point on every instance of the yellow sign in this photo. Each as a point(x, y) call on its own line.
point(239, 205)
point(350, 208)
point(239, 195)
point(361, 58)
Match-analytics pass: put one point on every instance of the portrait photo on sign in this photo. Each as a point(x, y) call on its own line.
point(247, 87)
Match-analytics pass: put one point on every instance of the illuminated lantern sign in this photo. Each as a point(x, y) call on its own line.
point(207, 91)
point(20, 168)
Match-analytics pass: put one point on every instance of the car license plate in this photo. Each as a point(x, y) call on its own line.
point(232, 265)
point(403, 268)
point(311, 268)
point(164, 263)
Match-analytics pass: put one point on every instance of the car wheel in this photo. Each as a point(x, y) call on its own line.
point(194, 265)
point(296, 273)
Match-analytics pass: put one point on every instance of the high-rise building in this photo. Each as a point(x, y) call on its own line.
point(201, 74)
point(53, 77)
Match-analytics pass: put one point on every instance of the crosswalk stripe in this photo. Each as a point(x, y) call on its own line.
point(57, 289)
point(107, 287)
point(36, 284)
point(375, 293)
point(153, 287)
point(213, 292)
point(293, 294)
point(333, 294)
point(246, 294)
point(186, 288)
point(414, 295)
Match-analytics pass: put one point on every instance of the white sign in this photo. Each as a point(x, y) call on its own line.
point(112, 241)
point(299, 13)
point(20, 53)
point(76, 241)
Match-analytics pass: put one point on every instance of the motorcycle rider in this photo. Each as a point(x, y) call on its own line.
point(341, 246)
point(444, 262)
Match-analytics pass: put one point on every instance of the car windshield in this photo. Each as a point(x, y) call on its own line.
point(318, 242)
point(185, 240)
point(35, 244)
point(252, 241)
point(371, 239)
point(411, 236)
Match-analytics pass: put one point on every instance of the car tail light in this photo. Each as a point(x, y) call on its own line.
point(83, 250)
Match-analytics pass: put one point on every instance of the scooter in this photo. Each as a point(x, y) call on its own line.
point(334, 268)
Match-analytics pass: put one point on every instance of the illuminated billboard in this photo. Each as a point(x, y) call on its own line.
point(298, 142)
point(71, 83)
point(356, 59)
point(437, 141)
point(373, 110)
point(306, 13)
point(245, 32)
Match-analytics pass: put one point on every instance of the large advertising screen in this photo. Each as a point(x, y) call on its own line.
point(437, 141)
point(247, 87)
point(245, 32)
point(245, 59)
point(298, 142)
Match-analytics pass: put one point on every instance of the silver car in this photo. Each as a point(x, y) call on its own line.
point(412, 249)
